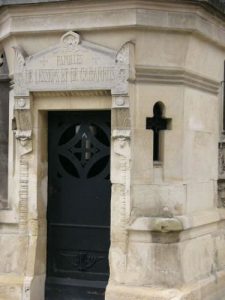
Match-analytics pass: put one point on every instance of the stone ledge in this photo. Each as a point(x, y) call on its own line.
point(178, 223)
point(176, 76)
point(156, 224)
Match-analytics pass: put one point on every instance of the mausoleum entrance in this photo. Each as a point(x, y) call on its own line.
point(72, 116)
point(78, 215)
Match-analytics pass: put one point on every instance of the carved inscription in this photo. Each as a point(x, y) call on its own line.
point(68, 60)
point(72, 65)
point(60, 76)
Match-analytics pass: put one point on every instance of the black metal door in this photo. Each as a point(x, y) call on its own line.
point(78, 213)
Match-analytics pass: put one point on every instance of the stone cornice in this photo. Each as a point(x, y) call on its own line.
point(185, 16)
point(216, 4)
point(181, 223)
point(176, 76)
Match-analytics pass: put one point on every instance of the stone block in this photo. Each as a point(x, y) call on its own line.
point(219, 249)
point(13, 253)
point(139, 264)
point(40, 265)
point(10, 291)
point(161, 47)
point(200, 196)
point(37, 288)
point(204, 62)
point(198, 167)
point(141, 155)
point(118, 262)
point(197, 258)
point(166, 265)
point(200, 111)
point(201, 135)
point(159, 199)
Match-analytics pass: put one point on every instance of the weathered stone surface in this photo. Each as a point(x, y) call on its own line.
point(13, 258)
point(73, 64)
point(166, 229)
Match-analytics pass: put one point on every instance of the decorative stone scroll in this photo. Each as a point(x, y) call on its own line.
point(74, 64)
point(23, 123)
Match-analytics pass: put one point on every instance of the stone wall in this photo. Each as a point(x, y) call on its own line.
point(167, 229)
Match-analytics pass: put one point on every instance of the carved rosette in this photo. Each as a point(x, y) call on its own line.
point(70, 40)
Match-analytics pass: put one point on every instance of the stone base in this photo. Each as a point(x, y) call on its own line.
point(11, 287)
point(15, 287)
point(209, 289)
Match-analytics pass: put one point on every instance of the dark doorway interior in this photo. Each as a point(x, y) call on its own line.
point(78, 214)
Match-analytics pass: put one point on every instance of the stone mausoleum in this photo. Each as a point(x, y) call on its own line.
point(112, 150)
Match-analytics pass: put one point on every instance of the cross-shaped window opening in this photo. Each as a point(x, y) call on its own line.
point(158, 123)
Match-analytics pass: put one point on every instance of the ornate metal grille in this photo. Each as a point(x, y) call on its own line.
point(83, 150)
